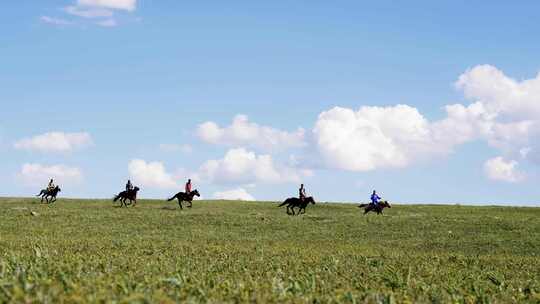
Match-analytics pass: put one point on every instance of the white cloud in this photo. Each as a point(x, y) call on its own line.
point(103, 10)
point(376, 137)
point(234, 194)
point(246, 167)
point(39, 175)
point(88, 12)
point(128, 5)
point(242, 132)
point(55, 142)
point(151, 174)
point(54, 21)
point(501, 170)
point(504, 112)
point(500, 94)
point(107, 23)
point(511, 108)
point(184, 148)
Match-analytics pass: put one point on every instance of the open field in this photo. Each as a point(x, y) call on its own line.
point(89, 251)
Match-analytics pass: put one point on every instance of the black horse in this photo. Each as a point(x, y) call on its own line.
point(375, 208)
point(293, 202)
point(185, 197)
point(130, 195)
point(52, 193)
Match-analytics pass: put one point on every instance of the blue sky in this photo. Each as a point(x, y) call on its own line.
point(98, 91)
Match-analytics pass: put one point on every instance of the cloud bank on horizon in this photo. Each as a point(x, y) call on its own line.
point(503, 112)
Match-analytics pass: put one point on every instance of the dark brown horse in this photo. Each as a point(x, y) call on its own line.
point(293, 202)
point(185, 197)
point(375, 208)
point(52, 193)
point(130, 195)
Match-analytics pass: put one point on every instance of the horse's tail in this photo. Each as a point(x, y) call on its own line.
point(40, 193)
point(172, 198)
point(116, 198)
point(363, 205)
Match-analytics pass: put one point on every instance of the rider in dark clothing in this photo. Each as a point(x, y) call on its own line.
point(129, 186)
point(188, 186)
point(302, 192)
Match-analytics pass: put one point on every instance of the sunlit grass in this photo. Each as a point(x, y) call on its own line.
point(88, 250)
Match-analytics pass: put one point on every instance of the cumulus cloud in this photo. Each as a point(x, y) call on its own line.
point(246, 167)
point(501, 170)
point(54, 21)
point(55, 142)
point(376, 137)
point(102, 10)
point(242, 132)
point(38, 175)
point(151, 174)
point(185, 148)
point(504, 112)
point(88, 13)
point(128, 5)
point(500, 94)
point(234, 194)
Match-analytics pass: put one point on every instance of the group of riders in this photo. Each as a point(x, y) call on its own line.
point(374, 205)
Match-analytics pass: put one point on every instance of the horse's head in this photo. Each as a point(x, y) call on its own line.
point(386, 204)
point(136, 189)
point(57, 188)
point(195, 192)
point(310, 200)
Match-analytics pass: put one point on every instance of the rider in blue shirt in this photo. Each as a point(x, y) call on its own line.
point(375, 198)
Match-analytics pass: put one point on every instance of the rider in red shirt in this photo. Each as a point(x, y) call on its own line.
point(188, 186)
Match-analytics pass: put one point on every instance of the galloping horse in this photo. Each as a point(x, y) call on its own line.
point(130, 195)
point(185, 197)
point(296, 202)
point(375, 208)
point(52, 193)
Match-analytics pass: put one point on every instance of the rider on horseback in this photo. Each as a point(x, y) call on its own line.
point(302, 192)
point(375, 198)
point(129, 186)
point(51, 186)
point(188, 186)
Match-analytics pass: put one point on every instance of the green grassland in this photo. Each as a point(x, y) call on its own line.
point(90, 251)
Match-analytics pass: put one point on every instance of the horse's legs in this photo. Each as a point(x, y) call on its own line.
point(190, 204)
point(53, 199)
point(134, 202)
point(180, 204)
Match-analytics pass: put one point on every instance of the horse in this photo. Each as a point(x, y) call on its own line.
point(185, 197)
point(296, 202)
point(130, 195)
point(375, 208)
point(52, 193)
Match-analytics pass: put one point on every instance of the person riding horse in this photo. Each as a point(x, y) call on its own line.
point(375, 205)
point(50, 186)
point(130, 195)
point(188, 186)
point(129, 186)
point(185, 197)
point(375, 198)
point(49, 193)
point(302, 192)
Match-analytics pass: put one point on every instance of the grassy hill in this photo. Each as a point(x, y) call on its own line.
point(88, 251)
